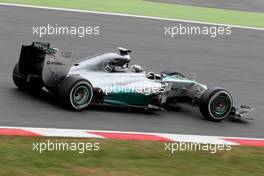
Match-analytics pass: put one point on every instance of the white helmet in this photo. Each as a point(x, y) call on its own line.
point(136, 69)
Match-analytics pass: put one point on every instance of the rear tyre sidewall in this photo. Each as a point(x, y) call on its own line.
point(70, 88)
point(209, 104)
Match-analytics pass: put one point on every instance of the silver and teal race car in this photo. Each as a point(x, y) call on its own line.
point(108, 79)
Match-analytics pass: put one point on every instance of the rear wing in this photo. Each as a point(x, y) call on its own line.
point(32, 57)
point(41, 60)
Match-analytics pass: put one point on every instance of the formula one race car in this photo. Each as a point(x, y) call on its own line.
point(108, 79)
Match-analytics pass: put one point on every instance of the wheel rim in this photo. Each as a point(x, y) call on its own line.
point(80, 96)
point(220, 105)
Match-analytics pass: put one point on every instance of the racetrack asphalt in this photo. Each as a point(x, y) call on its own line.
point(234, 62)
point(242, 5)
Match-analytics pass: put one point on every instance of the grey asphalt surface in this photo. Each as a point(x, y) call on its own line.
point(242, 5)
point(234, 62)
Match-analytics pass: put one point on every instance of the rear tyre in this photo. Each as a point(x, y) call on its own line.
point(216, 104)
point(75, 93)
point(20, 81)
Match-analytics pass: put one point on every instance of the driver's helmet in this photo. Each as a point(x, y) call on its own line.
point(136, 69)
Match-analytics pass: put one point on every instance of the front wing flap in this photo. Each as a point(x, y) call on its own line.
point(243, 112)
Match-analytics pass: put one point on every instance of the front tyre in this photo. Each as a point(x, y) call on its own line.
point(216, 104)
point(75, 93)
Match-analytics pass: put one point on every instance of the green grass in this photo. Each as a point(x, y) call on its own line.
point(147, 8)
point(136, 158)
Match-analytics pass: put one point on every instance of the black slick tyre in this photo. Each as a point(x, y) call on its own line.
point(75, 93)
point(216, 104)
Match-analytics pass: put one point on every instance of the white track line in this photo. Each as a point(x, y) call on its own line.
point(81, 133)
point(53, 132)
point(127, 15)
